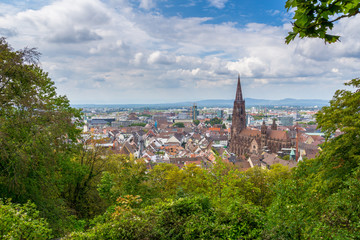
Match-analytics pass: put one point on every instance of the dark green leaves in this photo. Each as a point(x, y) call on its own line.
point(38, 130)
point(315, 19)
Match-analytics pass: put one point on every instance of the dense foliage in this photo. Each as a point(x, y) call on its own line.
point(40, 159)
point(179, 125)
point(214, 121)
point(138, 124)
point(22, 222)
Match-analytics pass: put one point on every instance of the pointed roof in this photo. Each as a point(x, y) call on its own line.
point(292, 152)
point(274, 125)
point(263, 127)
point(238, 91)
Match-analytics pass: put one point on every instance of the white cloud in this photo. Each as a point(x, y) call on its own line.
point(158, 57)
point(249, 67)
point(273, 12)
point(96, 48)
point(138, 58)
point(218, 3)
point(147, 4)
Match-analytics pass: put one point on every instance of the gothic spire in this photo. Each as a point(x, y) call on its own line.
point(274, 125)
point(238, 91)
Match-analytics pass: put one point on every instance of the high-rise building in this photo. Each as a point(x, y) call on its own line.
point(194, 112)
point(220, 113)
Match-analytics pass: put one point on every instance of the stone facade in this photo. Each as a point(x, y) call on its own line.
point(245, 141)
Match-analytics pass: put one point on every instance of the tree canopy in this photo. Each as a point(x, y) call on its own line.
point(38, 132)
point(179, 125)
point(214, 121)
point(315, 19)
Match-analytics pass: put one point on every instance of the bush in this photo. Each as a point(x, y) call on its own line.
point(183, 218)
point(179, 125)
point(22, 222)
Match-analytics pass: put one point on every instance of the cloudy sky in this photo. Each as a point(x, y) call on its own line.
point(156, 51)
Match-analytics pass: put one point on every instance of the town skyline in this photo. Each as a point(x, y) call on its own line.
point(123, 52)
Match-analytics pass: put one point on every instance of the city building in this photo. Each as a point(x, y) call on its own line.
point(220, 113)
point(194, 112)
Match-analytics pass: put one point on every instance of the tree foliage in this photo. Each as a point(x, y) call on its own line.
point(38, 132)
point(315, 19)
point(319, 199)
point(341, 154)
point(22, 222)
point(182, 218)
point(179, 125)
point(214, 121)
point(196, 122)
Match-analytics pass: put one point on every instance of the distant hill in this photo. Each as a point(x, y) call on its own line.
point(265, 102)
point(216, 103)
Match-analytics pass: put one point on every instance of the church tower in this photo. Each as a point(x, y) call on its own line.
point(274, 125)
point(238, 116)
point(244, 142)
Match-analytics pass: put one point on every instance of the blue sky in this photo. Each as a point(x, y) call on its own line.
point(239, 12)
point(154, 51)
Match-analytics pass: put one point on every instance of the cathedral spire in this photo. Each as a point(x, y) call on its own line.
point(238, 91)
point(238, 120)
point(274, 125)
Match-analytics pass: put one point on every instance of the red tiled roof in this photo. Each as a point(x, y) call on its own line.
point(250, 132)
point(276, 134)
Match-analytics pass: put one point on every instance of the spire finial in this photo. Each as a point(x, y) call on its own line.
point(238, 91)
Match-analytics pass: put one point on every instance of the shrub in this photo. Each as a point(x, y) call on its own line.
point(22, 222)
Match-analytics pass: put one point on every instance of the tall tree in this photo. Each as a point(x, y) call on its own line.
point(38, 130)
point(341, 124)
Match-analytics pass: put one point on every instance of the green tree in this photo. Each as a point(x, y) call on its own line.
point(22, 222)
point(81, 176)
point(195, 180)
point(311, 123)
point(196, 122)
point(305, 207)
point(312, 203)
point(124, 176)
point(316, 18)
point(216, 120)
point(286, 157)
point(219, 176)
point(38, 132)
point(320, 184)
point(341, 154)
point(179, 125)
point(137, 124)
point(181, 218)
point(165, 179)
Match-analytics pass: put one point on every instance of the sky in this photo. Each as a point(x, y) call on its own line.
point(163, 51)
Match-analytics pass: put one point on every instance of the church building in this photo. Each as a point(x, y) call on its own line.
point(246, 141)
